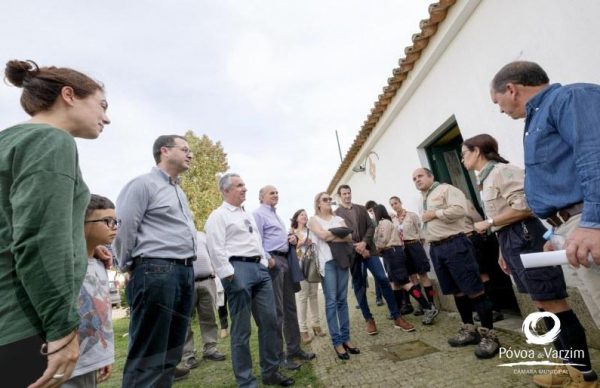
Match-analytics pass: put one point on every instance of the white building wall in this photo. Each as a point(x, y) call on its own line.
point(452, 79)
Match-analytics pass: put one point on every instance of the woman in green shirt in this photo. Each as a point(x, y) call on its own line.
point(43, 199)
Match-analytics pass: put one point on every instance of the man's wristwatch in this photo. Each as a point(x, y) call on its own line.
point(490, 221)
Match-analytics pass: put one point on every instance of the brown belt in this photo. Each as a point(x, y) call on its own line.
point(563, 215)
point(409, 242)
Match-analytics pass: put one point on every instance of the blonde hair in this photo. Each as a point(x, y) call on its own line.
point(317, 200)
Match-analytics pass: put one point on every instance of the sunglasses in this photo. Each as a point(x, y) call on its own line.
point(249, 225)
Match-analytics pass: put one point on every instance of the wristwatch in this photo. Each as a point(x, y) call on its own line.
point(490, 221)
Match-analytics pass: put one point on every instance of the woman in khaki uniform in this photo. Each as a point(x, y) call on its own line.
point(389, 244)
point(408, 225)
point(518, 231)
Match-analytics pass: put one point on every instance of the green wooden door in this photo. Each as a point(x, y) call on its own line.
point(445, 161)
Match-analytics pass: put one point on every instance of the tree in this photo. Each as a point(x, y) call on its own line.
point(201, 182)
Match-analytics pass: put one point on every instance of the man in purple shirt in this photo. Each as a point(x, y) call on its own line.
point(276, 243)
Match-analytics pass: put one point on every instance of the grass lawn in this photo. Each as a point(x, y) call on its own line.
point(208, 373)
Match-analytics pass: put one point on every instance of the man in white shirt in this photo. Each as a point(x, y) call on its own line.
point(238, 258)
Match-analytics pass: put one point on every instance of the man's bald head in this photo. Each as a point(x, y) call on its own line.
point(423, 178)
point(268, 195)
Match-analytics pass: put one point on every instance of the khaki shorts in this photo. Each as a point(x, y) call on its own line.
point(587, 281)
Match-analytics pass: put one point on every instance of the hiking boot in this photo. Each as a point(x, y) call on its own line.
point(371, 327)
point(181, 373)
point(429, 315)
point(578, 379)
point(556, 377)
point(467, 335)
point(400, 323)
point(489, 344)
point(418, 311)
point(406, 309)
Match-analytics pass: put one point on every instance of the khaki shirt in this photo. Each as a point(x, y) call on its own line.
point(386, 235)
point(450, 206)
point(503, 189)
point(472, 217)
point(411, 226)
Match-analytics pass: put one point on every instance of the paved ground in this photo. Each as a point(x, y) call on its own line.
point(382, 364)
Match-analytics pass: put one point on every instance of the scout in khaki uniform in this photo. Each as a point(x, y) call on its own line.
point(519, 232)
point(417, 263)
point(444, 210)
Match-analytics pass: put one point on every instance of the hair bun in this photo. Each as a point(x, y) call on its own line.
point(17, 72)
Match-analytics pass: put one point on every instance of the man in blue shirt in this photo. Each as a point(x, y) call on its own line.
point(562, 177)
point(276, 242)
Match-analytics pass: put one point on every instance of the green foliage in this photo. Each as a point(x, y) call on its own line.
point(200, 182)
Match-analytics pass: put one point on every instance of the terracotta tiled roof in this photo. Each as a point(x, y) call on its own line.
point(437, 13)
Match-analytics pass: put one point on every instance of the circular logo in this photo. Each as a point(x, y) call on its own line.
point(532, 336)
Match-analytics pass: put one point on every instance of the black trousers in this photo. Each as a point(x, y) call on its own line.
point(21, 362)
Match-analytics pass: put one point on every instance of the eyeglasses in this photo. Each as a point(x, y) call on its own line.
point(325, 199)
point(110, 222)
point(185, 150)
point(462, 154)
point(249, 225)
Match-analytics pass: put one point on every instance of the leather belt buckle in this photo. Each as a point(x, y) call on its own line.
point(563, 215)
point(554, 220)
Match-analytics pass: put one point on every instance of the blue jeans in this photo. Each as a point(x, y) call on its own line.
point(378, 292)
point(359, 284)
point(335, 290)
point(160, 294)
point(251, 292)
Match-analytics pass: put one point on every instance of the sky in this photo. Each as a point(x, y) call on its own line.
point(271, 80)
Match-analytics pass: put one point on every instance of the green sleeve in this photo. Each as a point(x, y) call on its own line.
point(45, 253)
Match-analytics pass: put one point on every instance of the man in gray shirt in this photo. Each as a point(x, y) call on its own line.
point(157, 245)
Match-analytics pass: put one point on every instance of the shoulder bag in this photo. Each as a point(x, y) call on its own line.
point(310, 264)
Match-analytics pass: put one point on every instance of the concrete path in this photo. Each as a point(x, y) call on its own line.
point(423, 358)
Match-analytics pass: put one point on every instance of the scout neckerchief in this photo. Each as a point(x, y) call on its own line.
point(489, 166)
point(431, 188)
point(401, 217)
point(487, 169)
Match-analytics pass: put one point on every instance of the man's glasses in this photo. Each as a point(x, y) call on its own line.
point(110, 222)
point(185, 150)
point(249, 225)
